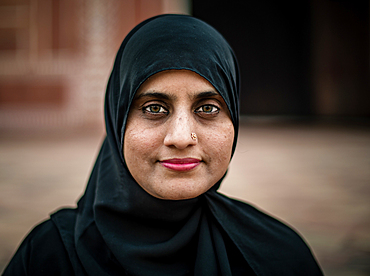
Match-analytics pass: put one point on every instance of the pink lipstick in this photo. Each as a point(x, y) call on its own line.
point(180, 164)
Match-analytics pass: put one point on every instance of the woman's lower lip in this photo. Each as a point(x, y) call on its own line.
point(180, 165)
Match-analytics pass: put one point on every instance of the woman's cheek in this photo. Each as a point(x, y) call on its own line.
point(218, 146)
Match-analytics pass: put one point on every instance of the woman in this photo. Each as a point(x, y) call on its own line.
point(151, 206)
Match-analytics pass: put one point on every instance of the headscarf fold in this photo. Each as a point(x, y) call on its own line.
point(119, 228)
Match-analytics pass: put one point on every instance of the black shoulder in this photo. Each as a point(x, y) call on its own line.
point(42, 252)
point(270, 246)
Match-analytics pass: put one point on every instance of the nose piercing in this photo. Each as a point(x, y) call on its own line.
point(193, 136)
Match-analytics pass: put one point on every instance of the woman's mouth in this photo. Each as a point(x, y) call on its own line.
point(180, 164)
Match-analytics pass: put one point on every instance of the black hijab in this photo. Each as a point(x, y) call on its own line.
point(120, 229)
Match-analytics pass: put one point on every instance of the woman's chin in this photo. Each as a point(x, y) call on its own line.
point(178, 192)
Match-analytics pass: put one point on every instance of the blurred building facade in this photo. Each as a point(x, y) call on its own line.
point(56, 57)
point(310, 58)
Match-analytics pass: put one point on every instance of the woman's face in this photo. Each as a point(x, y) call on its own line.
point(159, 150)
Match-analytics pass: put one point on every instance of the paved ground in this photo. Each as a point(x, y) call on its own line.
point(316, 177)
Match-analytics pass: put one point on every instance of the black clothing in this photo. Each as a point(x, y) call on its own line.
point(119, 229)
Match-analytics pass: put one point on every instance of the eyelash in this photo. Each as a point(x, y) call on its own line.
point(214, 110)
point(163, 111)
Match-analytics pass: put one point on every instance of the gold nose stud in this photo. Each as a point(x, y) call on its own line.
point(193, 136)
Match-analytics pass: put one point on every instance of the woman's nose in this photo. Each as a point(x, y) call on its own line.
point(179, 132)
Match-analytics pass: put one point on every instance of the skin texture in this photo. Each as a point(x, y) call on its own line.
point(168, 107)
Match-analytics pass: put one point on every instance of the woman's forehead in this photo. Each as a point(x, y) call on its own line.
point(172, 82)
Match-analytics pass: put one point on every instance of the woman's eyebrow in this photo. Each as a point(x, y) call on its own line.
point(154, 94)
point(167, 96)
point(206, 94)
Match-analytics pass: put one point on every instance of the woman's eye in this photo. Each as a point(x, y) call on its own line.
point(155, 109)
point(209, 109)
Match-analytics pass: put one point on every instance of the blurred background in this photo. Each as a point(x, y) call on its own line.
point(303, 153)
